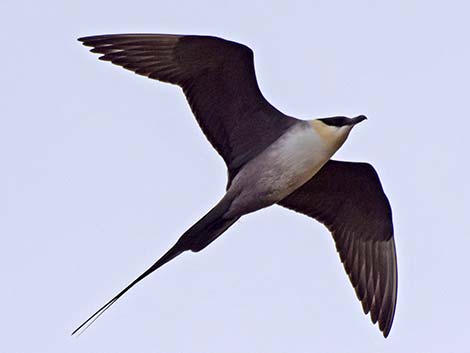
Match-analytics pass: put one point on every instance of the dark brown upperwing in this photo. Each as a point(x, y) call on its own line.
point(349, 200)
point(218, 79)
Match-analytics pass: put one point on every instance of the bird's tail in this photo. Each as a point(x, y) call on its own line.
point(196, 238)
point(208, 228)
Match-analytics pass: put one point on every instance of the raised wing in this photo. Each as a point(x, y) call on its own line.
point(218, 79)
point(349, 200)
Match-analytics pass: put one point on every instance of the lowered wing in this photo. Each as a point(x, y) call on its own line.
point(349, 200)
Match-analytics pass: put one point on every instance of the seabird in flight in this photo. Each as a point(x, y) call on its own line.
point(271, 158)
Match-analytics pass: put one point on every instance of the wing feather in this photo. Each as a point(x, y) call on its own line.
point(218, 78)
point(349, 200)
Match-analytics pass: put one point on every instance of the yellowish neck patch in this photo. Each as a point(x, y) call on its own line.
point(331, 136)
point(324, 131)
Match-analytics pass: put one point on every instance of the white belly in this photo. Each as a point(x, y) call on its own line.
point(293, 160)
point(282, 168)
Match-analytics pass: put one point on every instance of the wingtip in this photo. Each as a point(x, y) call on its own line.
point(386, 330)
point(386, 326)
point(85, 39)
point(92, 40)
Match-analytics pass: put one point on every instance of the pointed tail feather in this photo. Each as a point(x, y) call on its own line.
point(171, 254)
point(196, 238)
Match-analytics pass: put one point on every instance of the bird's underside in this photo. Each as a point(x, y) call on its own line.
point(218, 79)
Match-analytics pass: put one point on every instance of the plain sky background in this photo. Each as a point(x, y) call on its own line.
point(102, 170)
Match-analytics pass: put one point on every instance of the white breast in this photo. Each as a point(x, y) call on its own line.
point(283, 167)
point(295, 158)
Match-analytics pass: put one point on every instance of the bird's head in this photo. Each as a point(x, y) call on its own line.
point(336, 129)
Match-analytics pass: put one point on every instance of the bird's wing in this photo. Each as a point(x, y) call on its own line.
point(218, 79)
point(349, 200)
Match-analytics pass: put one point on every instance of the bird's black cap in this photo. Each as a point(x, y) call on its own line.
point(342, 120)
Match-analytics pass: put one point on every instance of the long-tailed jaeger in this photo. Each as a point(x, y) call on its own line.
point(271, 158)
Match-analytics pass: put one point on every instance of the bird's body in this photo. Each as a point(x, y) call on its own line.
point(283, 167)
point(271, 159)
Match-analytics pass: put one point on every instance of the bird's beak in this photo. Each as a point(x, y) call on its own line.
point(358, 119)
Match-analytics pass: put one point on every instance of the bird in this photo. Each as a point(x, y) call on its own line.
point(271, 158)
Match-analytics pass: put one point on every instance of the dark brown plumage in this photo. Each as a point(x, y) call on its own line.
point(349, 200)
point(218, 78)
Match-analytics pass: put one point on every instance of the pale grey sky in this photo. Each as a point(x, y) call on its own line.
point(105, 169)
